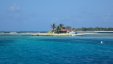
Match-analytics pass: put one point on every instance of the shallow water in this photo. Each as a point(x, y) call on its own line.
point(56, 50)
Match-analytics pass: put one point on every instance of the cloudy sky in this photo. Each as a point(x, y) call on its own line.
point(38, 15)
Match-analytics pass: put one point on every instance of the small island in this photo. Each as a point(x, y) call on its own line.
point(59, 30)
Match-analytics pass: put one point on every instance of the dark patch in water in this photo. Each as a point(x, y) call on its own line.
point(55, 40)
point(6, 42)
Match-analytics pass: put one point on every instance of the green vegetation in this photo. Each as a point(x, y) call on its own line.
point(94, 29)
point(61, 28)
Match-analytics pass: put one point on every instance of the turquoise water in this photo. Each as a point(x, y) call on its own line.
point(56, 50)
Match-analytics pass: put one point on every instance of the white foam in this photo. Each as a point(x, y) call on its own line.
point(101, 42)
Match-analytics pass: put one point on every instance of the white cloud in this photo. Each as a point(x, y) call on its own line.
point(14, 8)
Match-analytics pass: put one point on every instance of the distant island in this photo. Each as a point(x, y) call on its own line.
point(94, 29)
point(61, 28)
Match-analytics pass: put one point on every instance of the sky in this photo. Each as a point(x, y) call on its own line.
point(38, 15)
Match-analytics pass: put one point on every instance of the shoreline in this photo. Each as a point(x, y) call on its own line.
point(55, 34)
point(79, 33)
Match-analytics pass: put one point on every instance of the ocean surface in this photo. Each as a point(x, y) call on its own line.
point(89, 49)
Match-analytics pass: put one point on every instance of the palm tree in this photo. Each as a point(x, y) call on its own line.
point(61, 26)
point(58, 29)
point(53, 27)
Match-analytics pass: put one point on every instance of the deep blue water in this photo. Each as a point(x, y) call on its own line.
point(56, 50)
